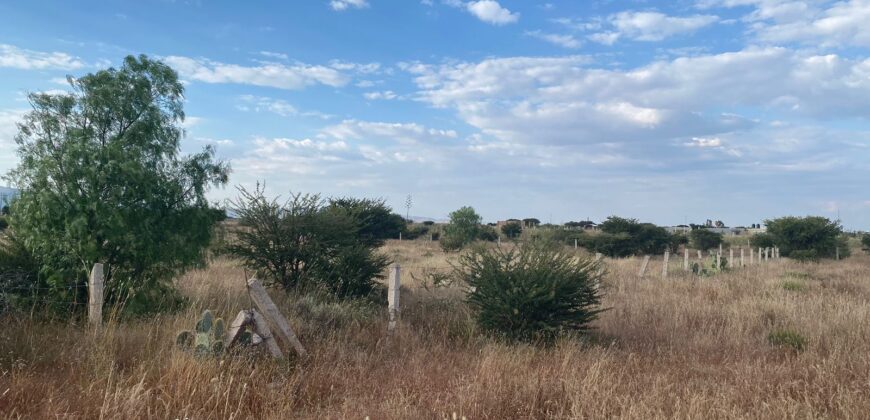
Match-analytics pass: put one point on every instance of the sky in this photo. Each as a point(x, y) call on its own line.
point(669, 112)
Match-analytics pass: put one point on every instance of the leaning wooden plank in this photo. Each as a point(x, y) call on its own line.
point(243, 319)
point(268, 308)
point(265, 333)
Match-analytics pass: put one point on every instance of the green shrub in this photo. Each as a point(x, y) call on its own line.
point(512, 229)
point(807, 238)
point(623, 237)
point(306, 245)
point(3, 223)
point(487, 234)
point(788, 339)
point(463, 229)
point(428, 223)
point(414, 232)
point(762, 240)
point(531, 292)
point(705, 239)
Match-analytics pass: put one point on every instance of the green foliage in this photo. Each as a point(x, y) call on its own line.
point(762, 240)
point(512, 229)
point(788, 339)
point(487, 234)
point(376, 221)
point(207, 338)
point(415, 231)
point(305, 244)
point(531, 222)
point(101, 180)
point(531, 292)
point(865, 242)
point(428, 223)
point(463, 229)
point(623, 237)
point(807, 238)
point(705, 239)
point(3, 223)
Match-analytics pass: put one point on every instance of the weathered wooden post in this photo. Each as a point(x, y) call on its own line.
point(720, 249)
point(751, 256)
point(718, 260)
point(395, 282)
point(742, 260)
point(665, 264)
point(730, 257)
point(685, 259)
point(643, 266)
point(269, 310)
point(759, 256)
point(95, 296)
point(767, 254)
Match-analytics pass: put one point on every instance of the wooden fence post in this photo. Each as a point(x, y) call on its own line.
point(643, 266)
point(270, 311)
point(665, 264)
point(742, 260)
point(730, 257)
point(685, 259)
point(395, 282)
point(95, 296)
point(759, 256)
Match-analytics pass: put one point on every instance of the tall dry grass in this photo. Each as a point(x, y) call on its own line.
point(685, 347)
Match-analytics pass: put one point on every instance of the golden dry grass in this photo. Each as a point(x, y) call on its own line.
point(678, 348)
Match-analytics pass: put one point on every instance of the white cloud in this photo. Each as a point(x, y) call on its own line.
point(275, 55)
point(563, 101)
point(405, 133)
point(291, 77)
point(704, 142)
point(490, 11)
point(19, 58)
point(841, 23)
point(275, 106)
point(340, 5)
point(566, 41)
point(650, 26)
point(383, 95)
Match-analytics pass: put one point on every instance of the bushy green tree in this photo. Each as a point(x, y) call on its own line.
point(622, 237)
point(305, 244)
point(462, 229)
point(376, 221)
point(865, 242)
point(487, 234)
point(512, 229)
point(807, 238)
point(533, 292)
point(762, 240)
point(705, 239)
point(102, 180)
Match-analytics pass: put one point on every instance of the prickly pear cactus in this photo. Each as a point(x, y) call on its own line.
point(206, 339)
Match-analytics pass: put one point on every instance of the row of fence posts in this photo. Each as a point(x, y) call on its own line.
point(764, 255)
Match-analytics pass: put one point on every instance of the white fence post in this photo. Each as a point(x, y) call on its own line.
point(395, 282)
point(742, 260)
point(730, 257)
point(665, 264)
point(759, 256)
point(643, 266)
point(95, 296)
point(685, 259)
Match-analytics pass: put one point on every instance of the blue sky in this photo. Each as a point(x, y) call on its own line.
point(738, 110)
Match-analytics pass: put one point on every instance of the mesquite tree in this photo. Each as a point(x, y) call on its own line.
point(101, 180)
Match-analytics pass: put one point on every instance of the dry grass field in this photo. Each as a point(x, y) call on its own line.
point(684, 347)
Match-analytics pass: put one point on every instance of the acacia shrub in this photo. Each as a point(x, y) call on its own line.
point(532, 292)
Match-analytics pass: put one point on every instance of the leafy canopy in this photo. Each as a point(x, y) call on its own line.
point(463, 228)
point(101, 180)
point(807, 238)
point(705, 239)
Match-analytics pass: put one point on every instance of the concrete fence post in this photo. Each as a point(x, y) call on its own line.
point(730, 257)
point(742, 260)
point(685, 259)
point(838, 253)
point(95, 296)
point(759, 256)
point(665, 264)
point(395, 281)
point(643, 265)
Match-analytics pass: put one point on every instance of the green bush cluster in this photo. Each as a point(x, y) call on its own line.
point(621, 237)
point(309, 244)
point(532, 292)
point(805, 238)
point(463, 228)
